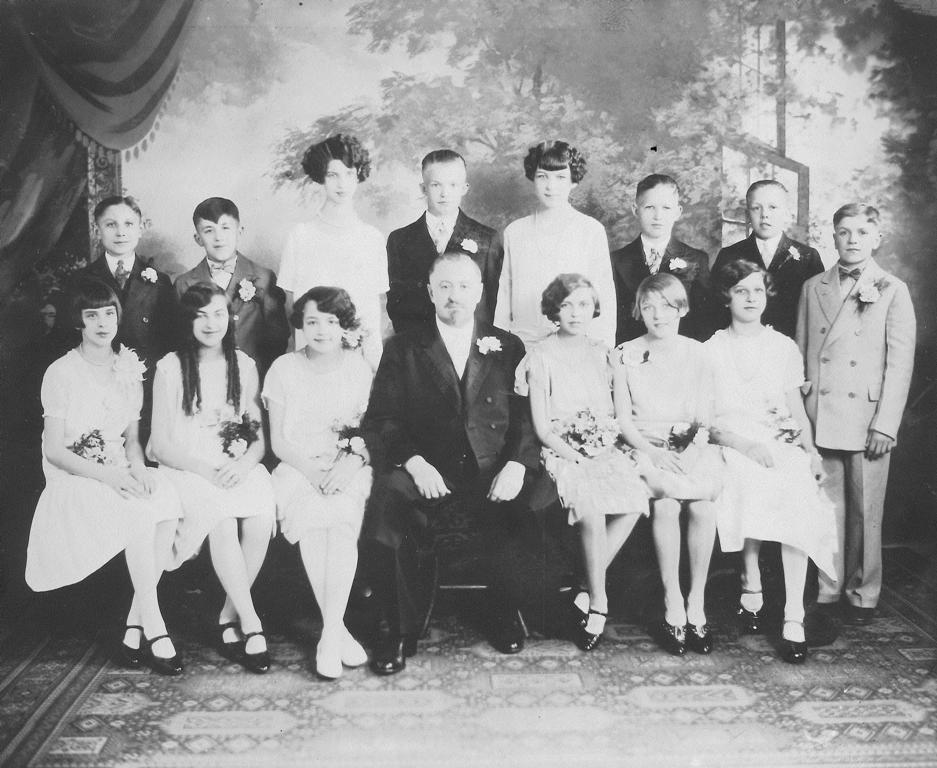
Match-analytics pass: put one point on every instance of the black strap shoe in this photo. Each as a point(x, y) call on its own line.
point(671, 638)
point(170, 667)
point(390, 655)
point(132, 657)
point(232, 651)
point(699, 639)
point(586, 640)
point(258, 663)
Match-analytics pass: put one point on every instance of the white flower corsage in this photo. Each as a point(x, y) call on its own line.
point(677, 263)
point(632, 358)
point(488, 344)
point(468, 245)
point(128, 367)
point(794, 254)
point(868, 294)
point(246, 289)
point(149, 274)
point(352, 338)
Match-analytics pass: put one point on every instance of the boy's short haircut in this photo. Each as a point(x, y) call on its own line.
point(656, 180)
point(213, 209)
point(555, 156)
point(665, 285)
point(760, 184)
point(107, 202)
point(868, 212)
point(441, 156)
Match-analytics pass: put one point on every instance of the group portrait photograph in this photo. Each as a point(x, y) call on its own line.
point(468, 383)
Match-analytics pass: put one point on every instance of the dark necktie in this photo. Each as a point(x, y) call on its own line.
point(654, 259)
point(847, 274)
point(121, 274)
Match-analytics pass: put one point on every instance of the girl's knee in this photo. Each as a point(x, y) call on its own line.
point(667, 509)
point(703, 511)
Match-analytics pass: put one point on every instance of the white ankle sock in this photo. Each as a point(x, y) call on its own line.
point(752, 601)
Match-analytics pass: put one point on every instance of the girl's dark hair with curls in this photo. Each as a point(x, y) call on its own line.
point(559, 288)
point(342, 147)
point(731, 274)
point(90, 293)
point(194, 299)
point(555, 156)
point(330, 301)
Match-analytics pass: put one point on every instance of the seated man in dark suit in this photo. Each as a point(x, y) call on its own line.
point(443, 422)
point(412, 249)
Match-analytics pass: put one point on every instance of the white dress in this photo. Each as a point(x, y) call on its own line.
point(204, 503)
point(352, 257)
point(782, 503)
point(608, 483)
point(532, 260)
point(315, 405)
point(81, 523)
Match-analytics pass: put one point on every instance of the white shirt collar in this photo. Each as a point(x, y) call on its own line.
point(113, 261)
point(433, 223)
point(767, 248)
point(660, 245)
point(457, 341)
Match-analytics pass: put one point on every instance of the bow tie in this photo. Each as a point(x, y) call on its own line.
point(845, 274)
point(227, 266)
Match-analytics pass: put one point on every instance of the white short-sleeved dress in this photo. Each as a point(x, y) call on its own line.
point(353, 257)
point(575, 381)
point(204, 503)
point(781, 503)
point(81, 523)
point(667, 395)
point(315, 406)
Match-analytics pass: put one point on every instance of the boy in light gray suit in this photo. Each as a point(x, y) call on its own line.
point(856, 331)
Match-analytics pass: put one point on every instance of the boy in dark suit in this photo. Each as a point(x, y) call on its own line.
point(856, 331)
point(657, 208)
point(788, 262)
point(411, 250)
point(443, 422)
point(257, 304)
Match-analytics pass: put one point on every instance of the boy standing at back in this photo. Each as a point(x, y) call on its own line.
point(257, 304)
point(788, 262)
point(856, 331)
point(411, 250)
point(657, 208)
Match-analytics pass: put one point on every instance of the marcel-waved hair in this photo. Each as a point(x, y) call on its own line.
point(90, 293)
point(329, 300)
point(107, 202)
point(665, 285)
point(342, 147)
point(213, 209)
point(866, 212)
point(730, 275)
point(555, 156)
point(195, 298)
point(562, 286)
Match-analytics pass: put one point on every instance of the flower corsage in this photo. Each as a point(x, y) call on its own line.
point(683, 434)
point(786, 428)
point(488, 344)
point(468, 245)
point(349, 440)
point(590, 435)
point(869, 294)
point(677, 264)
point(632, 358)
point(238, 436)
point(246, 289)
point(149, 274)
point(128, 368)
point(91, 446)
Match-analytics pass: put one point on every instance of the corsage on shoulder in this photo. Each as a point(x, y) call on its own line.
point(488, 344)
point(128, 367)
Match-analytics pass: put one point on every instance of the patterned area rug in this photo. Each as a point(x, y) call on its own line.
point(869, 699)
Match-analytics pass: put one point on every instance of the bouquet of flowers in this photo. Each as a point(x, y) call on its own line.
point(237, 436)
point(91, 446)
point(348, 436)
point(683, 434)
point(588, 434)
point(787, 430)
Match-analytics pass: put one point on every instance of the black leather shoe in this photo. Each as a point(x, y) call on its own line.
point(230, 651)
point(390, 656)
point(132, 657)
point(584, 639)
point(672, 639)
point(162, 666)
point(577, 617)
point(861, 617)
point(699, 639)
point(258, 663)
point(793, 653)
point(749, 621)
point(507, 635)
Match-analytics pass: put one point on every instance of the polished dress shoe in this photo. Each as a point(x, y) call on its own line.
point(234, 650)
point(507, 635)
point(258, 663)
point(390, 655)
point(792, 651)
point(170, 667)
point(586, 640)
point(860, 616)
point(699, 639)
point(671, 638)
point(129, 656)
point(577, 616)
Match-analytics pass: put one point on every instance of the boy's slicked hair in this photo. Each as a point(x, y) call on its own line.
point(761, 184)
point(213, 209)
point(868, 212)
point(441, 156)
point(656, 180)
point(107, 202)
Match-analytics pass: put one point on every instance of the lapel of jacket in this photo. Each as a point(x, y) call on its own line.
point(135, 283)
point(752, 253)
point(838, 311)
point(242, 270)
point(422, 242)
point(631, 265)
point(851, 310)
point(461, 231)
point(441, 368)
point(202, 272)
point(478, 366)
point(99, 269)
point(780, 254)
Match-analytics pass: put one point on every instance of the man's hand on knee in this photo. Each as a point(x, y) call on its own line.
point(507, 483)
point(426, 478)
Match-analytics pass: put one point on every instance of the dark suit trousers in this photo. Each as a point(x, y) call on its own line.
point(391, 553)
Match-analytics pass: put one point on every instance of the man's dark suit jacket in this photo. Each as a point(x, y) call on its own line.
point(261, 328)
point(788, 273)
point(410, 254)
point(149, 310)
point(629, 269)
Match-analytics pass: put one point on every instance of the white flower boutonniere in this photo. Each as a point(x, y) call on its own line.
point(869, 294)
point(128, 368)
point(149, 274)
point(793, 253)
point(488, 344)
point(246, 290)
point(677, 264)
point(468, 245)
